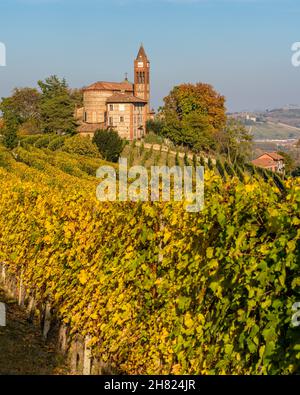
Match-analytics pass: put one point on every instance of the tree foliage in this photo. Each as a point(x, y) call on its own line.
point(109, 143)
point(57, 107)
point(234, 142)
point(192, 114)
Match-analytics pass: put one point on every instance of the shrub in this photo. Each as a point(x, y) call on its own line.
point(210, 164)
point(220, 168)
point(229, 169)
point(177, 162)
point(30, 140)
point(152, 138)
point(202, 161)
point(109, 143)
point(81, 146)
point(186, 160)
point(57, 143)
point(43, 142)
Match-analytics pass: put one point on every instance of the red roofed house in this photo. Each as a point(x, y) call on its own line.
point(270, 161)
point(123, 106)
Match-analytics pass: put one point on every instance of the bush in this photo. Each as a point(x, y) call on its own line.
point(109, 143)
point(57, 143)
point(154, 126)
point(210, 164)
point(81, 146)
point(220, 168)
point(177, 161)
point(186, 160)
point(152, 138)
point(43, 142)
point(229, 169)
point(30, 140)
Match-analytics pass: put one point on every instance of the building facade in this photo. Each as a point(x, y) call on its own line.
point(122, 106)
point(270, 161)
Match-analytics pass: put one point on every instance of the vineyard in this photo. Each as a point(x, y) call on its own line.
point(158, 290)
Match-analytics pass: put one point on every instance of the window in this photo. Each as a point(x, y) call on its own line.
point(111, 107)
point(110, 121)
point(85, 116)
point(121, 119)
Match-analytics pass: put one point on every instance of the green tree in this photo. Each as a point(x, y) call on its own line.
point(155, 126)
point(234, 142)
point(109, 143)
point(288, 161)
point(11, 123)
point(57, 107)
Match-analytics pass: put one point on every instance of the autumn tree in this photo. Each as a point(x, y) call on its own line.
point(192, 114)
point(21, 110)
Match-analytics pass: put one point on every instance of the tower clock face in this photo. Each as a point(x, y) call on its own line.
point(140, 64)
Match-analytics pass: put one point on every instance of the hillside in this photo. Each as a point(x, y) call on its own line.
point(273, 131)
point(155, 289)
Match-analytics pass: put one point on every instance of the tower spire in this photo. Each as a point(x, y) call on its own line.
point(141, 54)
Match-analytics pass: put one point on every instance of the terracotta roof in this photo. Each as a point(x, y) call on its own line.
point(275, 156)
point(141, 53)
point(264, 162)
point(90, 127)
point(110, 86)
point(123, 98)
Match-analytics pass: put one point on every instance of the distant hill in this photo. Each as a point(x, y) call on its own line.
point(277, 124)
point(273, 131)
point(287, 116)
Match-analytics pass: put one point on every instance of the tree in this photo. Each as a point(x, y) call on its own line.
point(20, 113)
point(235, 142)
point(109, 143)
point(155, 126)
point(296, 172)
point(192, 114)
point(25, 103)
point(57, 107)
point(288, 162)
point(11, 122)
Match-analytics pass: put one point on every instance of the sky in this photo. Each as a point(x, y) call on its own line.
point(241, 47)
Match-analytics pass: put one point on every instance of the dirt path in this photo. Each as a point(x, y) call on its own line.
point(22, 348)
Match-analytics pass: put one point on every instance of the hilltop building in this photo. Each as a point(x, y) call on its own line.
point(122, 106)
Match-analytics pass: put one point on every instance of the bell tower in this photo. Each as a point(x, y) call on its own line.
point(142, 76)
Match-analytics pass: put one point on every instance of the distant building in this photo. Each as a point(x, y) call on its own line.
point(122, 106)
point(270, 161)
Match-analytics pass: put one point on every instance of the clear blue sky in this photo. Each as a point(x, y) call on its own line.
point(242, 47)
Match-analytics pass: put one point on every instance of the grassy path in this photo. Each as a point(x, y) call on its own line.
point(22, 348)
